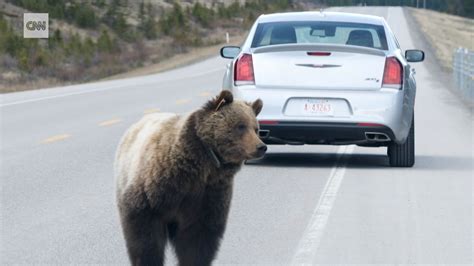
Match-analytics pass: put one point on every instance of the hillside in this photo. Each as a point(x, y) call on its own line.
point(93, 39)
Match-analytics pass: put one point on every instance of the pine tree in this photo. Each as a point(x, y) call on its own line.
point(104, 43)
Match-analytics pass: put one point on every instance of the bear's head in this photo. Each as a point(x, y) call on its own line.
point(230, 128)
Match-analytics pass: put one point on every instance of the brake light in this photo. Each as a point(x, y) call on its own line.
point(369, 125)
point(268, 122)
point(319, 53)
point(392, 75)
point(244, 70)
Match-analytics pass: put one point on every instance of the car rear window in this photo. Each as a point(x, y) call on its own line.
point(273, 33)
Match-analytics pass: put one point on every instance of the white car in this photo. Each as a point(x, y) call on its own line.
point(328, 78)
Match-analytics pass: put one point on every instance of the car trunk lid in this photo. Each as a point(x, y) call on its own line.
point(320, 66)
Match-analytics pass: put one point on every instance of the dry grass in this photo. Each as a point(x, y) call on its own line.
point(30, 85)
point(194, 55)
point(134, 59)
point(445, 33)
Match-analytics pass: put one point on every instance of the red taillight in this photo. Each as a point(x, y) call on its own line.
point(319, 53)
point(392, 74)
point(369, 125)
point(244, 70)
point(268, 122)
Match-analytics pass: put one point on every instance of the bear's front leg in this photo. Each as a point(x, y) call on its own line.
point(198, 243)
point(145, 237)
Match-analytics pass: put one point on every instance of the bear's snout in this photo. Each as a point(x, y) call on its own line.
point(261, 149)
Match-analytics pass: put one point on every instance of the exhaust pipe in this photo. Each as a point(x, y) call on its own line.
point(376, 136)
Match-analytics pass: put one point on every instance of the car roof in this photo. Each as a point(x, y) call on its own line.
point(321, 16)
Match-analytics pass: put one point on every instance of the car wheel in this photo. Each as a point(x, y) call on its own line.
point(403, 155)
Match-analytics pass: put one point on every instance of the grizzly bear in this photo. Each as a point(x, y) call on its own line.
point(174, 178)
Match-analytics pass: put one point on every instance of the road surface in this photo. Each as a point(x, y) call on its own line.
point(301, 204)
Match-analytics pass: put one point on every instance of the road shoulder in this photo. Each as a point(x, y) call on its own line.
point(421, 40)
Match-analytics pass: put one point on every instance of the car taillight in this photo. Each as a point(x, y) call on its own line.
point(369, 125)
point(244, 70)
point(393, 73)
point(319, 53)
point(268, 122)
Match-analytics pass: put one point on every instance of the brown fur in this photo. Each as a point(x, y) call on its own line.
point(169, 186)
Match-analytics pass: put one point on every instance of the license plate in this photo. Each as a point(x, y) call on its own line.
point(317, 107)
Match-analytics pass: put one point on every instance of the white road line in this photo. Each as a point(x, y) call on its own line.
point(104, 89)
point(309, 243)
point(58, 96)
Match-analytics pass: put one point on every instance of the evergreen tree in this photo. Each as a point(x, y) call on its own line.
point(202, 14)
point(105, 43)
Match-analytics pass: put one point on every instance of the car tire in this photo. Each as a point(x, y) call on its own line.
point(403, 155)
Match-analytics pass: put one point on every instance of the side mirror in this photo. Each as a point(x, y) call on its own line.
point(230, 52)
point(414, 55)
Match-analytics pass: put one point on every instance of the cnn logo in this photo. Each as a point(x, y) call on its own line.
point(35, 25)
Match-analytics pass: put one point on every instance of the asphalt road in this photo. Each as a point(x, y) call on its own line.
point(301, 204)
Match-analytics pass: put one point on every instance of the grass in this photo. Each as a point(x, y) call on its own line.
point(175, 61)
point(98, 40)
point(179, 60)
point(446, 33)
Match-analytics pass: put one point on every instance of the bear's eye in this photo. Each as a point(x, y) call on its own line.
point(241, 127)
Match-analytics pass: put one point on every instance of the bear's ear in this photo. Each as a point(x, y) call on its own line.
point(225, 97)
point(257, 106)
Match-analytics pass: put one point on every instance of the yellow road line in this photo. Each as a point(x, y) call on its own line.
point(56, 138)
point(205, 94)
point(109, 122)
point(183, 101)
point(151, 110)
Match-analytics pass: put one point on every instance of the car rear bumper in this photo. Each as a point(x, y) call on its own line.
point(386, 107)
point(297, 132)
